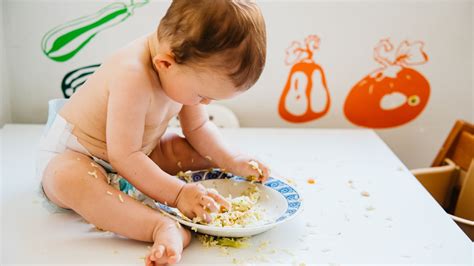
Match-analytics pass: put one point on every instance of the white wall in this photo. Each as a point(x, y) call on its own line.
point(4, 90)
point(349, 30)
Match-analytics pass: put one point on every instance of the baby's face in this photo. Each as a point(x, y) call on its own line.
point(192, 86)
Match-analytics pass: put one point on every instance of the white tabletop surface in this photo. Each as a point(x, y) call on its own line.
point(399, 223)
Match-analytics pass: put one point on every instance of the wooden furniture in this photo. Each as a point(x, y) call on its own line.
point(450, 179)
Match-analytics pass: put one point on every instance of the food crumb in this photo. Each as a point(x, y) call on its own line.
point(365, 194)
point(311, 181)
point(233, 242)
point(208, 158)
point(291, 181)
point(256, 167)
point(180, 165)
point(120, 198)
point(288, 252)
point(308, 224)
point(94, 165)
point(94, 174)
point(224, 251)
point(263, 245)
point(110, 193)
point(351, 184)
point(194, 229)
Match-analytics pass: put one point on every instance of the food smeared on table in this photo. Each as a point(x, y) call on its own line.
point(233, 242)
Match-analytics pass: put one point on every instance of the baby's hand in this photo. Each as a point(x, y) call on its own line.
point(194, 200)
point(250, 168)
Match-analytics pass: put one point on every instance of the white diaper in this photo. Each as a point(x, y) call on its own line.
point(57, 137)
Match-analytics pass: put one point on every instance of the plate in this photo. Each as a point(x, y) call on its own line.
point(280, 201)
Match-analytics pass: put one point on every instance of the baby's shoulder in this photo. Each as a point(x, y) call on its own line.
point(119, 67)
point(121, 63)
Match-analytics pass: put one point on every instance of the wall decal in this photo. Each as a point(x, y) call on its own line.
point(75, 78)
point(305, 96)
point(394, 94)
point(65, 41)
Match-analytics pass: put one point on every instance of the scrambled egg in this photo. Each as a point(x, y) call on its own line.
point(244, 211)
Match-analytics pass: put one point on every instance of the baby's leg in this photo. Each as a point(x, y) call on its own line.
point(174, 154)
point(71, 181)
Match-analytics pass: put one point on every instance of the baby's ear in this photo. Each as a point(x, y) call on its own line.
point(163, 61)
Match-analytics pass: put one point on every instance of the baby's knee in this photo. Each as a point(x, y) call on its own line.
point(175, 145)
point(63, 178)
point(56, 182)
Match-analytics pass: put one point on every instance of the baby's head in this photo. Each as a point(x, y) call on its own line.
point(210, 49)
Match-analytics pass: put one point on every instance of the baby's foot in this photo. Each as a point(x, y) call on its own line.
point(170, 239)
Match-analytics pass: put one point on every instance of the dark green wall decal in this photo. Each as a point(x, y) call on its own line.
point(74, 79)
point(64, 41)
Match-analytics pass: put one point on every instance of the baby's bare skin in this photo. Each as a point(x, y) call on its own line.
point(93, 96)
point(120, 115)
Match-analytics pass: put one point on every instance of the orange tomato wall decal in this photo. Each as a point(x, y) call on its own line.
point(394, 94)
point(305, 96)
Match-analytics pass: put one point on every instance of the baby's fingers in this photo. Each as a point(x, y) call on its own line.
point(266, 173)
point(209, 203)
point(219, 199)
point(203, 214)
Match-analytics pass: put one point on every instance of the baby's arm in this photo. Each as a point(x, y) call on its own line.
point(206, 139)
point(129, 100)
point(204, 136)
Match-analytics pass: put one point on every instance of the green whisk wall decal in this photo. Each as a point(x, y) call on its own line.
point(74, 79)
point(65, 41)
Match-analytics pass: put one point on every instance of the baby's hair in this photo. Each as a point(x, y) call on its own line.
point(227, 35)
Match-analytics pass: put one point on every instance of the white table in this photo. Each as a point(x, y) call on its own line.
point(398, 223)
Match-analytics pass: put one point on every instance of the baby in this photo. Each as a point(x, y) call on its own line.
point(106, 151)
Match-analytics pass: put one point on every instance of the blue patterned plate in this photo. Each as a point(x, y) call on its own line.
point(279, 200)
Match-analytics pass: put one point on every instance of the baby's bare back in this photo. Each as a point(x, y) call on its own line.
point(87, 108)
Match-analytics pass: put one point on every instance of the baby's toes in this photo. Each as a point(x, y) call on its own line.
point(148, 261)
point(156, 255)
point(173, 252)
